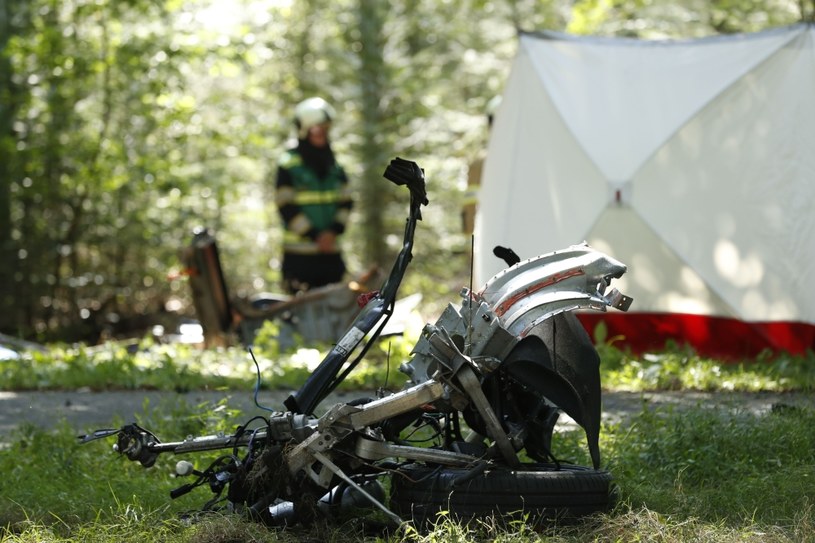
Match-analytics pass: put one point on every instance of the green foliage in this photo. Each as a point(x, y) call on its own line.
point(661, 19)
point(380, 367)
point(92, 169)
point(267, 339)
point(290, 369)
point(124, 125)
point(682, 369)
point(161, 367)
point(182, 368)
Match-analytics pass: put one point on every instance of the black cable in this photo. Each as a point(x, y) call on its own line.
point(387, 312)
point(257, 382)
point(244, 428)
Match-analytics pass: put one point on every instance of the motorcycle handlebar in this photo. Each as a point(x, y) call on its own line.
point(406, 172)
point(180, 491)
point(324, 379)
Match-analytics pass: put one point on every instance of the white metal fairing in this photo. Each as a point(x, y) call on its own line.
point(535, 289)
point(511, 304)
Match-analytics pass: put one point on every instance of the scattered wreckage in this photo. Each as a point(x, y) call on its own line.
point(487, 382)
point(318, 315)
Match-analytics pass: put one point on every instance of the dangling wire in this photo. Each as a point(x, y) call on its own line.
point(257, 383)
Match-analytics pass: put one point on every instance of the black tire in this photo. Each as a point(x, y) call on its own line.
point(540, 493)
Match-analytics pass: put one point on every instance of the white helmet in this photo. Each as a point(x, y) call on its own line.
point(311, 112)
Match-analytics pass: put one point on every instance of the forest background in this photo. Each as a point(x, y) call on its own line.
point(126, 124)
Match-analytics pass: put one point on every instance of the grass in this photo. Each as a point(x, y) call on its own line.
point(699, 474)
point(183, 368)
point(718, 465)
point(689, 474)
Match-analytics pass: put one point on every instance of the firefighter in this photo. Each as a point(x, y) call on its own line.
point(314, 201)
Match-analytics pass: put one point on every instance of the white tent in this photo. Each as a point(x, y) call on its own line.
point(693, 162)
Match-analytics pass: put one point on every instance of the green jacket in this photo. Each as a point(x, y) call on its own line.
point(309, 204)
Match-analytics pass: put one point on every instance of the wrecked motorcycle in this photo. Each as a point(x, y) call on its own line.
point(487, 383)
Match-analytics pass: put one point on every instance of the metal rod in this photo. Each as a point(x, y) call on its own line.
point(324, 460)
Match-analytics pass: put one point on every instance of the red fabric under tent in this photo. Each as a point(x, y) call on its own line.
point(709, 336)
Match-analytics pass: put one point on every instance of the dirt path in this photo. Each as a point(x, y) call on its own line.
point(86, 411)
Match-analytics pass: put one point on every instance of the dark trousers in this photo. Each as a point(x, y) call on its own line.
point(304, 272)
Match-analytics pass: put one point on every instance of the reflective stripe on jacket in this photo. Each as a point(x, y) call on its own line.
point(309, 204)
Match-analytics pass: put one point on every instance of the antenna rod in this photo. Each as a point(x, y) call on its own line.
point(470, 296)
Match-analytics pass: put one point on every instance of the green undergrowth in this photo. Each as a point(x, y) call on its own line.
point(699, 474)
point(181, 368)
point(678, 368)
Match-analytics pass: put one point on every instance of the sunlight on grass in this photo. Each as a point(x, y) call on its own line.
point(679, 369)
point(183, 368)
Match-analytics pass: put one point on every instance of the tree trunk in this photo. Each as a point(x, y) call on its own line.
point(371, 19)
point(7, 149)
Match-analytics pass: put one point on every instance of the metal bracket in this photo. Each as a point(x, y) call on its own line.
point(325, 461)
point(342, 419)
point(461, 366)
point(377, 450)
